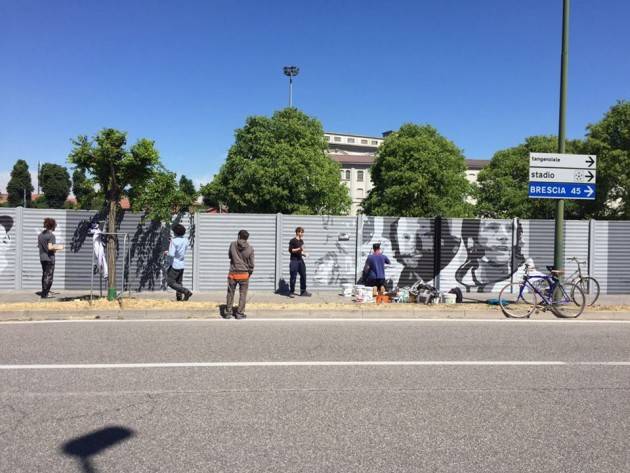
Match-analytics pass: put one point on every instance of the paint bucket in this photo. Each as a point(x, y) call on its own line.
point(347, 290)
point(449, 298)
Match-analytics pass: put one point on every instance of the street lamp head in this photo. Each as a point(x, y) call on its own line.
point(291, 71)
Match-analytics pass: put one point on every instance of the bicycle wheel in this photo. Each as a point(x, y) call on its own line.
point(568, 301)
point(515, 303)
point(589, 286)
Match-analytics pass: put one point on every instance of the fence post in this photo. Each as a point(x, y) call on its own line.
point(591, 247)
point(19, 246)
point(278, 271)
point(515, 242)
point(357, 249)
point(195, 261)
point(437, 250)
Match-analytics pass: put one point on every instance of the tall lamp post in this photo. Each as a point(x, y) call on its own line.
point(291, 72)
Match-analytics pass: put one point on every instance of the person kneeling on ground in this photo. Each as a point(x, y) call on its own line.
point(374, 269)
point(177, 251)
point(241, 255)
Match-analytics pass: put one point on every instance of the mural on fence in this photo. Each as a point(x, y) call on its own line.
point(487, 258)
point(336, 266)
point(409, 244)
point(6, 223)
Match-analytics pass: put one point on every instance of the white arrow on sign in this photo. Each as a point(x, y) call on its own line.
point(557, 160)
point(562, 175)
point(589, 191)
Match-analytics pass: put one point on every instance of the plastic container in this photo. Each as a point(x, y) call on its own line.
point(449, 298)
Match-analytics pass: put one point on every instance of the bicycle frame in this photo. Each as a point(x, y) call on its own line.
point(546, 300)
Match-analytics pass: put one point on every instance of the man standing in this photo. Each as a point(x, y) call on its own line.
point(47, 244)
point(296, 263)
point(241, 268)
point(177, 251)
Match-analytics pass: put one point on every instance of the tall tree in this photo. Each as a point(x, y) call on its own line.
point(55, 183)
point(20, 185)
point(418, 173)
point(187, 187)
point(279, 164)
point(609, 139)
point(83, 189)
point(160, 197)
point(115, 168)
point(503, 184)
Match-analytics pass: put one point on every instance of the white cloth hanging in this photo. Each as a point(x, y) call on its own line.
point(99, 251)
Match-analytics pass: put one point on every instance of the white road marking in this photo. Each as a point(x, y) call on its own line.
point(315, 319)
point(248, 364)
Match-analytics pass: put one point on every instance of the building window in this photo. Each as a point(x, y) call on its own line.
point(360, 193)
point(364, 142)
point(337, 138)
point(347, 174)
point(374, 142)
point(327, 138)
point(360, 176)
point(350, 140)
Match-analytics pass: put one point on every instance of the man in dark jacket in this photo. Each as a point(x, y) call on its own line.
point(241, 267)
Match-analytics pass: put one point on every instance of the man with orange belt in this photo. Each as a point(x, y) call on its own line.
point(241, 255)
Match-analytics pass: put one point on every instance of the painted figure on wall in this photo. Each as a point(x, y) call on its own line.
point(6, 223)
point(337, 264)
point(491, 258)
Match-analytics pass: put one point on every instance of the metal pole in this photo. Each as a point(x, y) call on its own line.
point(290, 91)
point(558, 253)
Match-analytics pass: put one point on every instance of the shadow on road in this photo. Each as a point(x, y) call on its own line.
point(94, 443)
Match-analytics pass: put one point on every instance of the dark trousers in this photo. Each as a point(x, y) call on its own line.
point(242, 295)
point(48, 271)
point(297, 266)
point(174, 280)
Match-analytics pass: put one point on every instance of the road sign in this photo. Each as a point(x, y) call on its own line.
point(557, 160)
point(562, 175)
point(561, 190)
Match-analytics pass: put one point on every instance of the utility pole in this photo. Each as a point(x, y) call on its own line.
point(558, 249)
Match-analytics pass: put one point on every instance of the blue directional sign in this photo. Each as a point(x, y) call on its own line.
point(561, 190)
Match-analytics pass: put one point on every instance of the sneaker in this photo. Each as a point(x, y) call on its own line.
point(227, 316)
point(291, 295)
point(305, 294)
point(188, 295)
point(240, 316)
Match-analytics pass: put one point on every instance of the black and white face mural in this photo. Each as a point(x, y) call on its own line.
point(490, 256)
point(336, 266)
point(409, 243)
point(6, 223)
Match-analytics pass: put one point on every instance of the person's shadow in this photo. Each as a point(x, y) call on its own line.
point(94, 443)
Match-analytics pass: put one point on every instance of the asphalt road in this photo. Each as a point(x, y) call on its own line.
point(315, 396)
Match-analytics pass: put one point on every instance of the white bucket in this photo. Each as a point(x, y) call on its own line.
point(449, 298)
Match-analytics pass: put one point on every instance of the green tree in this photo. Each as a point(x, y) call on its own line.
point(279, 164)
point(187, 187)
point(83, 189)
point(55, 183)
point(503, 185)
point(116, 169)
point(609, 139)
point(20, 185)
point(160, 197)
point(418, 173)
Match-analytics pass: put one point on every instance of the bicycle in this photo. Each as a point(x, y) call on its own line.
point(520, 299)
point(587, 283)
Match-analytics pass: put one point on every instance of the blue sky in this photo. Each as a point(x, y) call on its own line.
point(186, 74)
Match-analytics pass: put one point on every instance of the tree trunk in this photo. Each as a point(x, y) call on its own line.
point(111, 250)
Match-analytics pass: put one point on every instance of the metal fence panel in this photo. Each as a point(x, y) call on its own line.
point(612, 257)
point(330, 242)
point(215, 232)
point(8, 248)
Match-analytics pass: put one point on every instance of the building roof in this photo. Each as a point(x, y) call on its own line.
point(471, 164)
point(476, 164)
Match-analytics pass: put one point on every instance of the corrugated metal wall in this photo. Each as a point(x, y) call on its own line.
point(215, 232)
point(611, 258)
point(331, 246)
point(8, 247)
point(335, 255)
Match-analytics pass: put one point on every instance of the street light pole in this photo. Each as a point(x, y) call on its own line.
point(291, 72)
point(558, 253)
